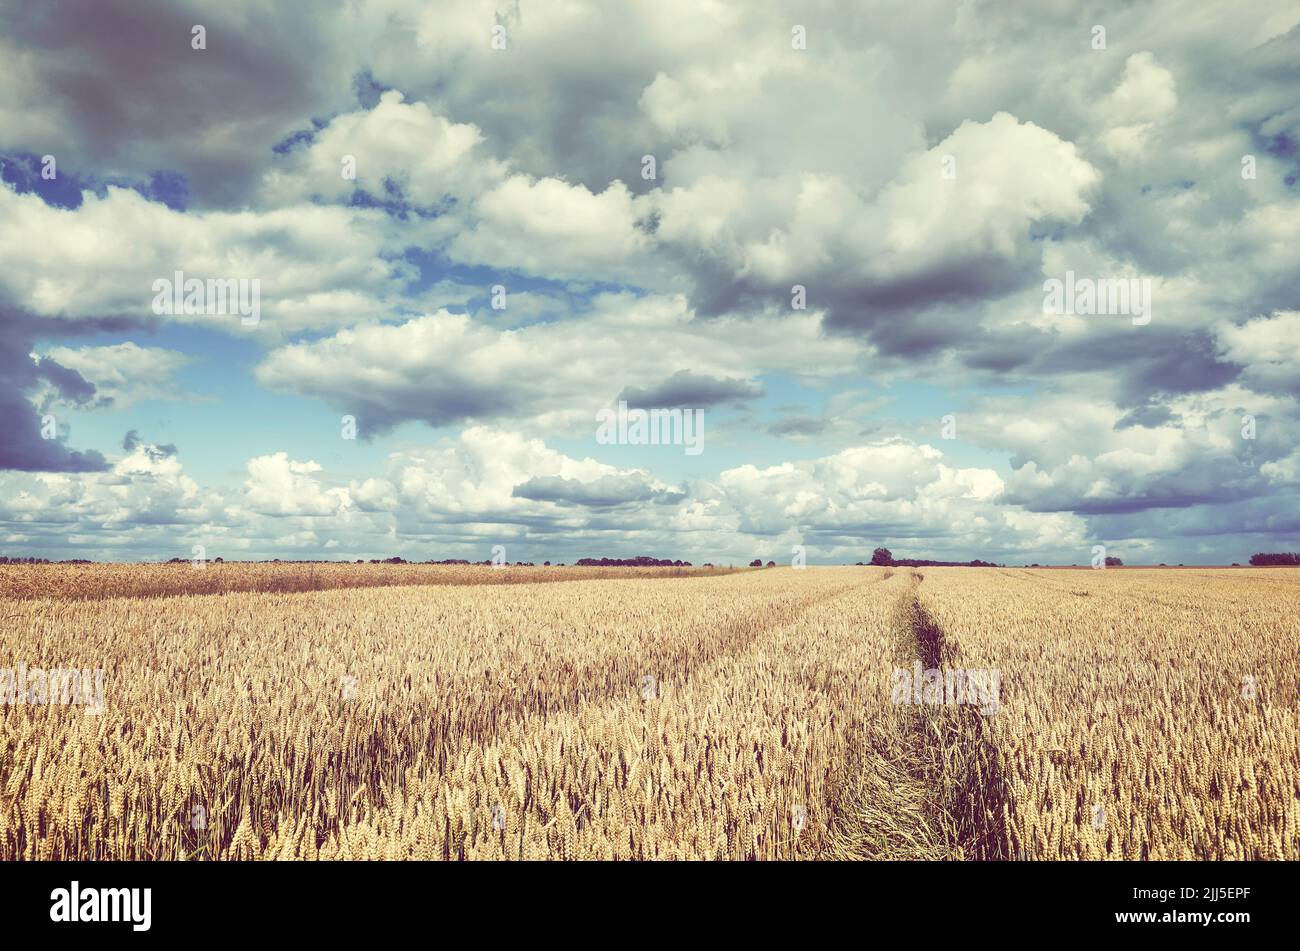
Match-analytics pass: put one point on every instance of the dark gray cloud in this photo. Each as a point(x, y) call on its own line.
point(1240, 523)
point(25, 449)
point(603, 492)
point(68, 384)
point(687, 390)
point(1204, 478)
point(30, 442)
point(797, 426)
point(132, 97)
point(1150, 416)
point(1000, 351)
point(1145, 362)
point(131, 441)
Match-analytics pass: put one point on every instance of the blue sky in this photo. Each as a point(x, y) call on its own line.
point(918, 175)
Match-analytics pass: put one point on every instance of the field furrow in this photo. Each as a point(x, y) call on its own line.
point(1139, 718)
point(825, 713)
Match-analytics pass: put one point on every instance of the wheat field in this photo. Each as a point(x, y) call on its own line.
point(82, 582)
point(467, 712)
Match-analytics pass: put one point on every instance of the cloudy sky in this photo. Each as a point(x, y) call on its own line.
point(827, 227)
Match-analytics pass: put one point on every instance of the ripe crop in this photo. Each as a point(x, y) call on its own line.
point(645, 715)
point(80, 582)
point(1145, 714)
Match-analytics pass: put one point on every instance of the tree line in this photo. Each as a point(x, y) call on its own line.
point(1267, 559)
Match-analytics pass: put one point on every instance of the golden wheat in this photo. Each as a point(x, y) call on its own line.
point(1145, 714)
point(80, 582)
point(640, 715)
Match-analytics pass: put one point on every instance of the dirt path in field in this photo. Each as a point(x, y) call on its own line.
point(932, 789)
